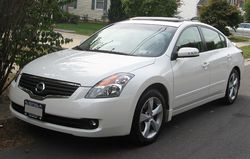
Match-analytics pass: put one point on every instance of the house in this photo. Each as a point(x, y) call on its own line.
point(89, 9)
point(238, 3)
point(190, 8)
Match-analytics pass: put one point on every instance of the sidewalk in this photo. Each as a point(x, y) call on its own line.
point(241, 44)
point(77, 39)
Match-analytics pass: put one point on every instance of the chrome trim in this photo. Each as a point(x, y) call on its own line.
point(33, 96)
point(37, 97)
point(40, 87)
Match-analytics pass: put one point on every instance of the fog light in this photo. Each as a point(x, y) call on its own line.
point(93, 123)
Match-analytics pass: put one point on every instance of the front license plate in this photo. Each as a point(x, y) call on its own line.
point(34, 109)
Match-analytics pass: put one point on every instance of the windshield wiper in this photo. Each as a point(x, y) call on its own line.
point(111, 52)
point(103, 51)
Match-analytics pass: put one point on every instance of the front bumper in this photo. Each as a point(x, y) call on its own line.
point(114, 115)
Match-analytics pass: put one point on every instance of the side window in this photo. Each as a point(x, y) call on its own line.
point(213, 41)
point(241, 25)
point(99, 4)
point(73, 4)
point(224, 42)
point(247, 26)
point(190, 38)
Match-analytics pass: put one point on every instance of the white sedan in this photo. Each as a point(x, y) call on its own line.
point(242, 30)
point(128, 79)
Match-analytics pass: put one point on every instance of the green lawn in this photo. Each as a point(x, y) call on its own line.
point(246, 51)
point(83, 28)
point(238, 39)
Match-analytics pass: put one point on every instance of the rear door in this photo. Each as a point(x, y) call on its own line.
point(219, 60)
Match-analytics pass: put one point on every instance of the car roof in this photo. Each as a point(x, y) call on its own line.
point(245, 23)
point(168, 21)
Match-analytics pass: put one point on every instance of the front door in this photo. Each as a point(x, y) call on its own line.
point(191, 75)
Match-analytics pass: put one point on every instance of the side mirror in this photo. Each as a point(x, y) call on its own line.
point(188, 52)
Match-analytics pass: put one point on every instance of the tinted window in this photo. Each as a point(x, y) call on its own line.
point(224, 42)
point(131, 39)
point(247, 25)
point(190, 38)
point(244, 25)
point(241, 25)
point(213, 41)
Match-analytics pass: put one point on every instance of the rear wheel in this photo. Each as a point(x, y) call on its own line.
point(232, 87)
point(149, 117)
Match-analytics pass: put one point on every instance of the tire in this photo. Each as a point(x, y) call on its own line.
point(148, 118)
point(233, 86)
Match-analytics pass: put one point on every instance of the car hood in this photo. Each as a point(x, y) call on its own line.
point(86, 68)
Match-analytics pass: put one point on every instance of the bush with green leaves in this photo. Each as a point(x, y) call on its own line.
point(247, 10)
point(165, 8)
point(65, 17)
point(26, 33)
point(220, 14)
point(116, 11)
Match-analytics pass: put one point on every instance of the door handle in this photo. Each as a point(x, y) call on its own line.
point(205, 65)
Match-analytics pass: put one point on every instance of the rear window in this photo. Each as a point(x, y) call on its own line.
point(213, 39)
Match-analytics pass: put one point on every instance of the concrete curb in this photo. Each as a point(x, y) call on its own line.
point(247, 62)
point(64, 30)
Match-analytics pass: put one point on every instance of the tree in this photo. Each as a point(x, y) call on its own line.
point(220, 14)
point(247, 10)
point(116, 12)
point(26, 32)
point(166, 8)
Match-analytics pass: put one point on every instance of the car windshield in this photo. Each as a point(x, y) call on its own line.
point(130, 39)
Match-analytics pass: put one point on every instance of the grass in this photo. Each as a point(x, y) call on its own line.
point(82, 28)
point(238, 39)
point(246, 51)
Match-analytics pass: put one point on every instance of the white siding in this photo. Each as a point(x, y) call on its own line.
point(84, 8)
point(188, 9)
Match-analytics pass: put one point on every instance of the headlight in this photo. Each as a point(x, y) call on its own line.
point(111, 86)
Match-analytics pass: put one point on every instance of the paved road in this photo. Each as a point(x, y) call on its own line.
point(212, 131)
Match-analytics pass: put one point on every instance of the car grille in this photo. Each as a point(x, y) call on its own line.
point(63, 121)
point(53, 88)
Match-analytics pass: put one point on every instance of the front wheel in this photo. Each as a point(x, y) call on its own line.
point(232, 87)
point(149, 117)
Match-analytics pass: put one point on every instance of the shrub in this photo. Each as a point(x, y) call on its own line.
point(116, 12)
point(27, 33)
point(247, 10)
point(165, 8)
point(65, 17)
point(220, 14)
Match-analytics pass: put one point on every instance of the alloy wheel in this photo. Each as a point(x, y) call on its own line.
point(151, 117)
point(233, 86)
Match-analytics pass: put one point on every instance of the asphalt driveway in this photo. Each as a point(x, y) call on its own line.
point(212, 131)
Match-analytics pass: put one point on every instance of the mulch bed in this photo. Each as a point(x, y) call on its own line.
point(13, 133)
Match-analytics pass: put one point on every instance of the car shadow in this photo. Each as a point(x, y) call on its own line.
point(47, 140)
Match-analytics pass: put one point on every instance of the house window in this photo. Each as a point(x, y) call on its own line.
point(73, 4)
point(99, 4)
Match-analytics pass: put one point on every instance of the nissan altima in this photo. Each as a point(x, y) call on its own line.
point(128, 79)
